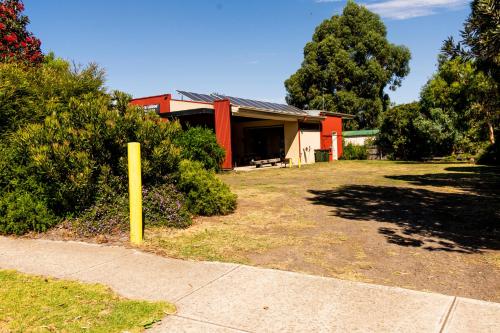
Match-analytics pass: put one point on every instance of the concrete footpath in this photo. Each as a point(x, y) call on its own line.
point(219, 297)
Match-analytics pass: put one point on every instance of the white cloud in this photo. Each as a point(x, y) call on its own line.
point(404, 9)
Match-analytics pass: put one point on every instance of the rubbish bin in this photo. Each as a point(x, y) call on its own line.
point(321, 155)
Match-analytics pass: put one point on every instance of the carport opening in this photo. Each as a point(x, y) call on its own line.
point(256, 139)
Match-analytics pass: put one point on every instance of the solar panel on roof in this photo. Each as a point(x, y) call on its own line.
point(275, 107)
point(197, 97)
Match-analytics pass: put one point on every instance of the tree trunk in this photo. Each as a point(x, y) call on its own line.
point(491, 129)
point(491, 132)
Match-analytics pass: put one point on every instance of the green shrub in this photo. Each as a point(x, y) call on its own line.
point(200, 144)
point(105, 217)
point(30, 93)
point(75, 147)
point(354, 152)
point(164, 205)
point(205, 193)
point(21, 212)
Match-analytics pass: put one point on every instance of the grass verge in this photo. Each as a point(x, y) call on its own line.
point(39, 304)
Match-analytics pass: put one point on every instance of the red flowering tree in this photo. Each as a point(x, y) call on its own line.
point(16, 43)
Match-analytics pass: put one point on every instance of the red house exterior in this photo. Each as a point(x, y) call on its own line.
point(250, 130)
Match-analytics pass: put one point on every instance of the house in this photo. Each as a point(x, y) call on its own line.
point(251, 130)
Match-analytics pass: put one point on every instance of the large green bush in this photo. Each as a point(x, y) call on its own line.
point(64, 156)
point(200, 144)
point(205, 193)
point(75, 146)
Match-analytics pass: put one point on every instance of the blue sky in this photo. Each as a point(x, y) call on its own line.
point(235, 47)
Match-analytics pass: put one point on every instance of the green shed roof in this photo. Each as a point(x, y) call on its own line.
point(347, 134)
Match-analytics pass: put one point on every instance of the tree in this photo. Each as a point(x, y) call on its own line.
point(347, 66)
point(409, 133)
point(397, 133)
point(467, 94)
point(482, 34)
point(16, 43)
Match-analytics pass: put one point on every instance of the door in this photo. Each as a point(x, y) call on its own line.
point(335, 153)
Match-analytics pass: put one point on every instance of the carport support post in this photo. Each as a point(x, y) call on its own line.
point(135, 192)
point(222, 110)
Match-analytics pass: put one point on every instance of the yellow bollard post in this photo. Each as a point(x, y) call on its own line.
point(135, 192)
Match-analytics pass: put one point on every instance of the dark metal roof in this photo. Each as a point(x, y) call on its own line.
point(275, 107)
point(246, 103)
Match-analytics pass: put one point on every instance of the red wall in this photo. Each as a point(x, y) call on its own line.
point(329, 125)
point(223, 130)
point(162, 100)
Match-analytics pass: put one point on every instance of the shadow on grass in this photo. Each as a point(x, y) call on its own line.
point(478, 180)
point(436, 221)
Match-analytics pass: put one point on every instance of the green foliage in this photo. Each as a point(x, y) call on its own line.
point(491, 155)
point(164, 205)
point(409, 133)
point(468, 97)
point(205, 193)
point(482, 34)
point(200, 144)
point(396, 137)
point(84, 141)
point(106, 217)
point(29, 94)
point(466, 85)
point(348, 64)
point(354, 152)
point(435, 133)
point(22, 211)
point(457, 113)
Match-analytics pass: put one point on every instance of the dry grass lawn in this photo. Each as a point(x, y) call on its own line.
point(432, 227)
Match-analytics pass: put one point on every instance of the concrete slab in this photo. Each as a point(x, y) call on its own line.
point(147, 276)
point(469, 315)
point(54, 258)
point(263, 300)
point(176, 324)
